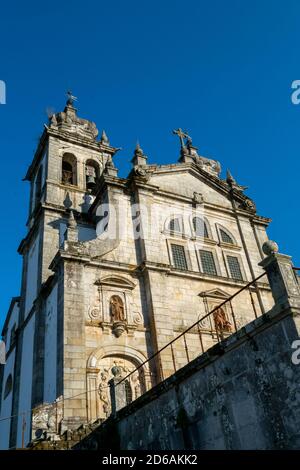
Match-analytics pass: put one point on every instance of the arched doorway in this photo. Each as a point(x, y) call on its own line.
point(101, 366)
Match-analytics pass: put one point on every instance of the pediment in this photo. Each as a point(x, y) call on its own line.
point(116, 281)
point(215, 294)
point(187, 180)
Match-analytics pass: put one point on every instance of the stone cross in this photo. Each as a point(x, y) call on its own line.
point(71, 98)
point(182, 135)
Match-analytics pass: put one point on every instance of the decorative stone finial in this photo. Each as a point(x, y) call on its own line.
point(139, 158)
point(72, 232)
point(116, 371)
point(270, 247)
point(67, 201)
point(232, 182)
point(110, 168)
point(104, 138)
point(72, 222)
point(138, 150)
point(68, 121)
point(229, 178)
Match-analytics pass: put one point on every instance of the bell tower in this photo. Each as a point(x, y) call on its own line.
point(64, 175)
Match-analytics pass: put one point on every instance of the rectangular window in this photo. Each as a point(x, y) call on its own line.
point(207, 262)
point(179, 258)
point(234, 268)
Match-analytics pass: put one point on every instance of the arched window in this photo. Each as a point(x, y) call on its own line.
point(69, 169)
point(200, 227)
point(92, 173)
point(175, 225)
point(117, 311)
point(225, 237)
point(8, 386)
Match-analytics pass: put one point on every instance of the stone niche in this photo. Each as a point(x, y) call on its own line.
point(113, 307)
point(220, 322)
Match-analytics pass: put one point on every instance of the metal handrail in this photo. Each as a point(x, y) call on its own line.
point(191, 327)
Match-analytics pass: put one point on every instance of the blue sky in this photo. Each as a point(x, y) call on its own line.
point(220, 69)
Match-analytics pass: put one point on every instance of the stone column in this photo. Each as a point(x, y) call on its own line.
point(74, 347)
point(92, 393)
point(282, 279)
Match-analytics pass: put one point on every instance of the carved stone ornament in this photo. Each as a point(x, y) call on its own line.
point(103, 392)
point(118, 328)
point(140, 173)
point(292, 284)
point(198, 198)
point(137, 318)
point(248, 205)
point(46, 419)
point(209, 165)
point(68, 121)
point(94, 313)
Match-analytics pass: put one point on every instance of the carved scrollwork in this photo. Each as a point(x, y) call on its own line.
point(205, 323)
point(94, 313)
point(137, 318)
point(140, 173)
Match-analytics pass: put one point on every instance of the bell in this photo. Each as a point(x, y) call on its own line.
point(91, 182)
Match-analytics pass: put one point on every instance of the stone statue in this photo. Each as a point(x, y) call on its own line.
point(221, 322)
point(117, 309)
point(103, 395)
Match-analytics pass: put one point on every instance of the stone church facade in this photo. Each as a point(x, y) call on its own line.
point(115, 268)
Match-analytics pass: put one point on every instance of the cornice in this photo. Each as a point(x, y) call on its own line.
point(37, 156)
point(197, 275)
